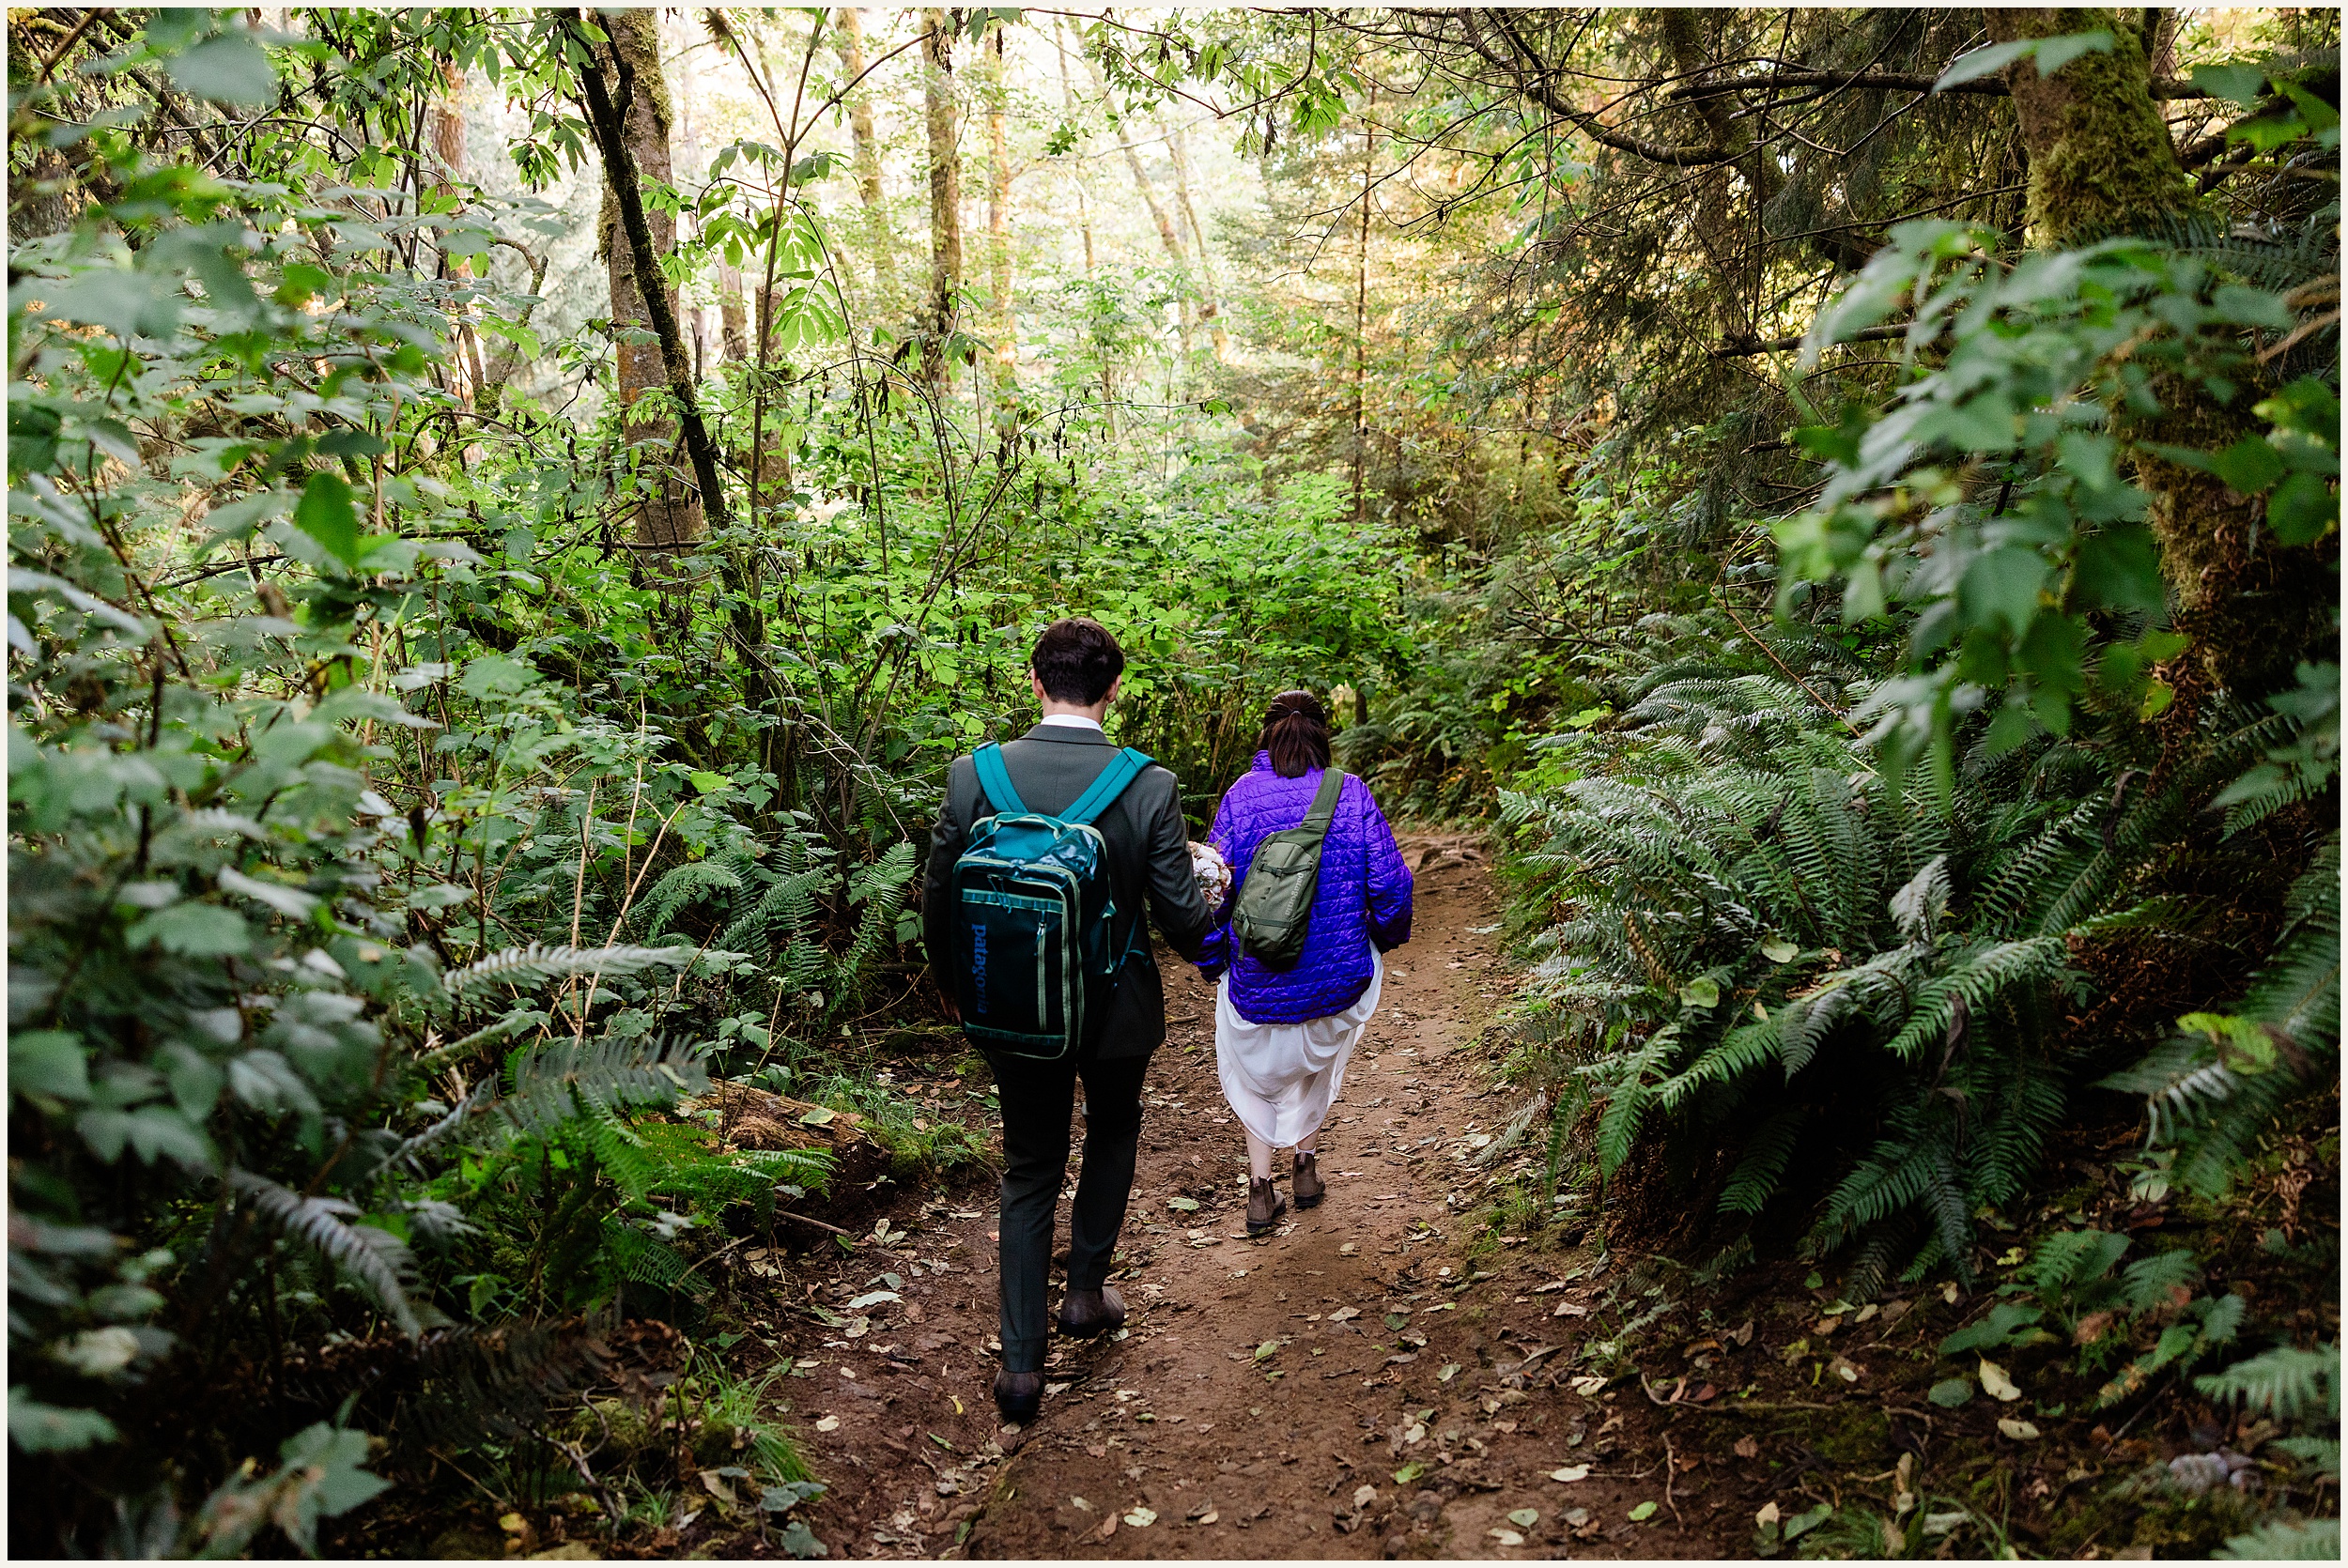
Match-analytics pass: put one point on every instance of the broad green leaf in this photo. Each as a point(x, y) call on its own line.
point(1643, 1513)
point(39, 1428)
point(48, 1062)
point(327, 513)
point(228, 68)
point(2001, 586)
point(196, 930)
point(2235, 82)
point(2251, 467)
point(1702, 991)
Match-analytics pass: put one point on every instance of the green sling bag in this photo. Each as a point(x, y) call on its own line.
point(1275, 901)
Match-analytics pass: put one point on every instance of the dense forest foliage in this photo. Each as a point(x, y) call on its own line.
point(511, 513)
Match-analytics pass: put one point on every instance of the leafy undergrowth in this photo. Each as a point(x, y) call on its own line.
point(690, 1445)
point(2137, 1372)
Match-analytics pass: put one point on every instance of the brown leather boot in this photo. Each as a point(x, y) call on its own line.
point(1088, 1314)
point(1264, 1204)
point(1307, 1181)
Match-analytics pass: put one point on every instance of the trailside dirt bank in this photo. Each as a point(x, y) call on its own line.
point(1350, 1386)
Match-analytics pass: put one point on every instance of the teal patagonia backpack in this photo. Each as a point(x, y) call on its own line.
point(1032, 959)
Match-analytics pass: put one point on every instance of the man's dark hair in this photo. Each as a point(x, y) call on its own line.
point(1077, 661)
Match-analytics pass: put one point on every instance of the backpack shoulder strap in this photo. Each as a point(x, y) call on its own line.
point(1324, 802)
point(1122, 770)
point(995, 780)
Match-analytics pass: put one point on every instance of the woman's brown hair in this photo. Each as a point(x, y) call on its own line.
point(1296, 732)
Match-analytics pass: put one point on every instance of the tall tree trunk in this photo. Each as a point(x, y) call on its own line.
point(734, 313)
point(2100, 158)
point(940, 313)
point(2101, 163)
point(1084, 215)
point(1210, 305)
point(1083, 173)
point(671, 515)
point(1006, 327)
point(448, 145)
point(865, 161)
point(1360, 325)
point(1166, 235)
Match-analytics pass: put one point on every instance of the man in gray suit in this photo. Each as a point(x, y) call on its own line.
point(1076, 671)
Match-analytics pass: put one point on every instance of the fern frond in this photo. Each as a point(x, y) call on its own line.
point(2286, 1382)
point(376, 1260)
point(537, 963)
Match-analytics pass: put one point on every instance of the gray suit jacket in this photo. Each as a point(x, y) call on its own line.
point(1148, 866)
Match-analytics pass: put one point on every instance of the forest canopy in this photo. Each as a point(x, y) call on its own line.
point(513, 511)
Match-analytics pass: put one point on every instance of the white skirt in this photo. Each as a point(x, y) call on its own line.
point(1281, 1078)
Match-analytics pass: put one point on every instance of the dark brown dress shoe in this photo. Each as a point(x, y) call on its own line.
point(1090, 1314)
point(1307, 1182)
point(1264, 1204)
point(1019, 1394)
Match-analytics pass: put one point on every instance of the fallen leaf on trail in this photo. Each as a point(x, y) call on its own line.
point(1808, 1519)
point(1742, 1335)
point(1450, 1370)
point(1108, 1528)
point(1996, 1383)
point(1588, 1386)
point(1140, 1518)
point(873, 1298)
point(1769, 1515)
point(820, 1117)
point(1347, 1249)
point(1566, 1309)
point(1867, 1312)
point(1747, 1449)
point(1345, 1314)
point(1948, 1293)
point(2020, 1431)
point(1524, 1518)
point(829, 1423)
point(1188, 1206)
point(1365, 1496)
point(1951, 1393)
point(513, 1524)
point(1570, 1473)
point(1505, 1537)
point(1396, 1319)
point(717, 1486)
point(1209, 1517)
point(1079, 1502)
point(1409, 1473)
point(1577, 1518)
point(1266, 1348)
point(1055, 1388)
point(1645, 1512)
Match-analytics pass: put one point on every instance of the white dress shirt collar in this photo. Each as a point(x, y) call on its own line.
point(1074, 721)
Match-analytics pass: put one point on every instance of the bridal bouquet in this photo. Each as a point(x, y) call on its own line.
point(1213, 875)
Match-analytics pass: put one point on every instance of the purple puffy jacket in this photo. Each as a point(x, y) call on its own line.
point(1364, 896)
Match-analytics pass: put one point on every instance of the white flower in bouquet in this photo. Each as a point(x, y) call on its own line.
point(1212, 873)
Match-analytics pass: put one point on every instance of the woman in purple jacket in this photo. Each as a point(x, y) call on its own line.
point(1283, 1037)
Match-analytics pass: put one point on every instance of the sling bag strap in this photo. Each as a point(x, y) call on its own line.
point(1324, 803)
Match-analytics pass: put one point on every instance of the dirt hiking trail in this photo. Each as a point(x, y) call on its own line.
point(1264, 1393)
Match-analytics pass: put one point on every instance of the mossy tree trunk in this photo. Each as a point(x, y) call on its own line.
point(941, 311)
point(670, 515)
point(2102, 164)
